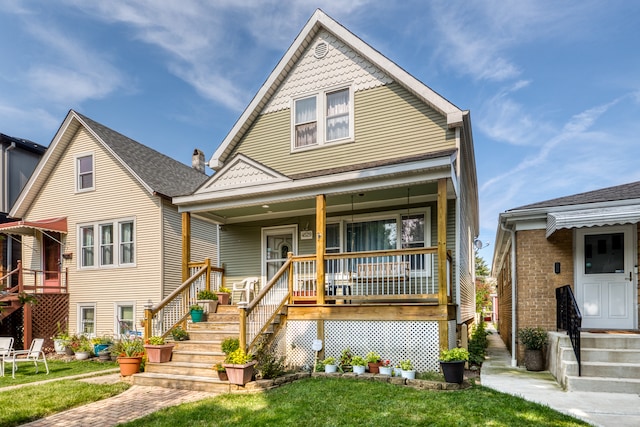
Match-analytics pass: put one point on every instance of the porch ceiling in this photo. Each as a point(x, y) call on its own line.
point(253, 210)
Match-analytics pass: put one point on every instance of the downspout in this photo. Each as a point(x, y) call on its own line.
point(514, 293)
point(5, 185)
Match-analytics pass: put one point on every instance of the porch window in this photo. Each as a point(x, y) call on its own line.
point(115, 244)
point(382, 234)
point(84, 170)
point(86, 248)
point(87, 319)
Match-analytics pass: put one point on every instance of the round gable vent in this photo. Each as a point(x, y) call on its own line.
point(321, 50)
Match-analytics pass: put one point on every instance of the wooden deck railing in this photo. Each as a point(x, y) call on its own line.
point(174, 309)
point(33, 281)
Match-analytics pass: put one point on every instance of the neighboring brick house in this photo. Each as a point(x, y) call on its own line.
point(589, 241)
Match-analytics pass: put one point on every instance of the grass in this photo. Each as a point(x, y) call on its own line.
point(39, 401)
point(345, 402)
point(26, 372)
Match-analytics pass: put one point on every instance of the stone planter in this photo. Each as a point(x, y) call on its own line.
point(534, 360)
point(159, 353)
point(240, 374)
point(104, 356)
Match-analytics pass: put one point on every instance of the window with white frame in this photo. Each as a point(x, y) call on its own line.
point(323, 117)
point(113, 248)
point(381, 232)
point(87, 319)
point(124, 314)
point(84, 173)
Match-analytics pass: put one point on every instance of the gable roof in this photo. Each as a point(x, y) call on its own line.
point(159, 174)
point(318, 21)
point(610, 194)
point(23, 144)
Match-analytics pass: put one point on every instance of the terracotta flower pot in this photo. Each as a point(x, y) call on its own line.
point(374, 367)
point(223, 298)
point(240, 374)
point(129, 365)
point(159, 353)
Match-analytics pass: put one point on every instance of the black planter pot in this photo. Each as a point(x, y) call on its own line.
point(453, 371)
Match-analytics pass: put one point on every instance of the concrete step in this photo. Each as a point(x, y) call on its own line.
point(610, 355)
point(609, 341)
point(603, 385)
point(182, 368)
point(183, 382)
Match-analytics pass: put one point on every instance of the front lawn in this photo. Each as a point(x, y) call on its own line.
point(26, 372)
point(347, 402)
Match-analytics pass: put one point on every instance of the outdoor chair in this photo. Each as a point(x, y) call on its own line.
point(244, 290)
point(6, 347)
point(32, 355)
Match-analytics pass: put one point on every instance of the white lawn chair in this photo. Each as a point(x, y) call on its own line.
point(30, 356)
point(245, 289)
point(6, 347)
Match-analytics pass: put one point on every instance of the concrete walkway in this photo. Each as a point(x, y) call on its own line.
point(599, 409)
point(136, 402)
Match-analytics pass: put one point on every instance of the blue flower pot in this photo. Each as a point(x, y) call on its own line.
point(196, 316)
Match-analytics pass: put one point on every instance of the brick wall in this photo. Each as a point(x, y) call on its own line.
point(536, 278)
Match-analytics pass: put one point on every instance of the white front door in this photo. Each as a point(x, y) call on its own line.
point(277, 242)
point(605, 277)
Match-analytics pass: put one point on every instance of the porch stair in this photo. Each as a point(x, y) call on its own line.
point(610, 362)
point(9, 304)
point(192, 360)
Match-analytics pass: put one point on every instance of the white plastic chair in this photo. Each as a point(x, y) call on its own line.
point(245, 289)
point(30, 356)
point(6, 347)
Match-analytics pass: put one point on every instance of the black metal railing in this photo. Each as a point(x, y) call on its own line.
point(568, 318)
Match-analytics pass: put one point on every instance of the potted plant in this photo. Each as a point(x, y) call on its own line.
point(158, 351)
point(345, 360)
point(208, 300)
point(229, 345)
point(452, 363)
point(373, 360)
point(407, 370)
point(239, 366)
point(533, 340)
point(179, 334)
point(101, 343)
point(83, 348)
point(222, 372)
point(330, 364)
point(61, 339)
point(130, 357)
point(224, 294)
point(196, 313)
point(386, 368)
point(359, 364)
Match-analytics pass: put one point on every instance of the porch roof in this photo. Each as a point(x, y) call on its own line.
point(56, 225)
point(614, 215)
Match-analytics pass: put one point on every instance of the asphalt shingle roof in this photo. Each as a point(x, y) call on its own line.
point(163, 174)
point(609, 194)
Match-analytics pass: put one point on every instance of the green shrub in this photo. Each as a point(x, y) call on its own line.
point(478, 343)
point(456, 354)
point(533, 338)
point(269, 366)
point(358, 361)
point(207, 295)
point(229, 345)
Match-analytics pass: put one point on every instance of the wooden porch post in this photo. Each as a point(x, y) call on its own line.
point(186, 244)
point(442, 260)
point(321, 213)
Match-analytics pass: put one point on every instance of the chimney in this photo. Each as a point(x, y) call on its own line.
point(197, 160)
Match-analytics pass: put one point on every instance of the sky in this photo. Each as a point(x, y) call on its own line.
point(553, 87)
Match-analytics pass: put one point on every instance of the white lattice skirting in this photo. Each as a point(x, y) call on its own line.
point(417, 341)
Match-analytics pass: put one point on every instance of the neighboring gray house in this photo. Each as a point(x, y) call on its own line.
point(18, 159)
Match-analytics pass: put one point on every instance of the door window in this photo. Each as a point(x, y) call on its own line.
point(604, 253)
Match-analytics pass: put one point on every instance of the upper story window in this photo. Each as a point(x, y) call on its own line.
point(113, 246)
point(323, 117)
point(84, 173)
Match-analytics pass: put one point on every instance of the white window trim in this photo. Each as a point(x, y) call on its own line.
point(321, 118)
point(80, 306)
point(97, 255)
point(375, 216)
point(77, 171)
point(116, 315)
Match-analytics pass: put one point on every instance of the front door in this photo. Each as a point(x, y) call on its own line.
point(605, 277)
point(51, 255)
point(277, 243)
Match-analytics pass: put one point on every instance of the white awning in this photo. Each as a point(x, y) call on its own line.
point(615, 215)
